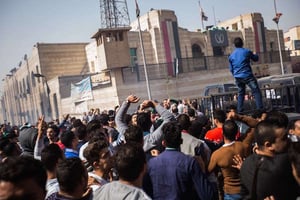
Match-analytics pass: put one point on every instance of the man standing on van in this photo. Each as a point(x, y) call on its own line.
point(240, 68)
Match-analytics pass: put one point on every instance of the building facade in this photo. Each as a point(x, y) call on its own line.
point(179, 63)
point(28, 93)
point(292, 41)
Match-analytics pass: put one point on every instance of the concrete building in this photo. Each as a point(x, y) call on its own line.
point(28, 93)
point(292, 41)
point(179, 63)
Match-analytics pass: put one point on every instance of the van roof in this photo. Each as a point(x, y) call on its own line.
point(280, 76)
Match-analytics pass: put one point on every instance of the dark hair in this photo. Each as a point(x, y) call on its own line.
point(144, 120)
point(220, 115)
point(130, 160)
point(294, 155)
point(18, 169)
point(8, 148)
point(291, 125)
point(184, 121)
point(55, 129)
point(50, 156)
point(195, 128)
point(258, 113)
point(264, 131)
point(278, 118)
point(67, 138)
point(230, 129)
point(76, 123)
point(128, 117)
point(104, 119)
point(191, 112)
point(238, 42)
point(93, 150)
point(134, 134)
point(230, 107)
point(195, 104)
point(172, 134)
point(70, 173)
point(80, 131)
point(93, 126)
point(174, 109)
point(97, 135)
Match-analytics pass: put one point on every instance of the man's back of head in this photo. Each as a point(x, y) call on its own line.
point(134, 134)
point(238, 42)
point(278, 118)
point(144, 120)
point(184, 121)
point(264, 132)
point(130, 161)
point(50, 156)
point(230, 129)
point(219, 115)
point(22, 178)
point(72, 177)
point(67, 138)
point(172, 135)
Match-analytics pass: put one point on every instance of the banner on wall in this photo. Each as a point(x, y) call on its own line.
point(101, 79)
point(82, 90)
point(218, 38)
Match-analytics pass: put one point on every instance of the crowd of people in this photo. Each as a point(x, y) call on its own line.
point(164, 150)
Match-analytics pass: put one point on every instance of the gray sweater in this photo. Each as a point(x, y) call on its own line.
point(150, 140)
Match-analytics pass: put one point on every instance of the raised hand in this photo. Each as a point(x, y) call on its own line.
point(147, 104)
point(133, 99)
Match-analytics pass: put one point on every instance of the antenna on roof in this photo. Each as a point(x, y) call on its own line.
point(114, 13)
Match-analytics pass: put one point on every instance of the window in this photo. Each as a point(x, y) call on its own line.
point(32, 79)
point(120, 36)
point(24, 88)
point(234, 26)
point(92, 66)
point(197, 51)
point(37, 71)
point(133, 57)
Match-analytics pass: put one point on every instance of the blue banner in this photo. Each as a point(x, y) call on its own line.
point(82, 90)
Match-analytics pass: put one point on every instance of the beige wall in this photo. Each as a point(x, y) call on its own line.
point(62, 59)
point(26, 96)
point(56, 61)
point(290, 36)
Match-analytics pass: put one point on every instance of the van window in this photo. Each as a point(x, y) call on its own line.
point(282, 82)
point(214, 90)
point(230, 88)
point(297, 80)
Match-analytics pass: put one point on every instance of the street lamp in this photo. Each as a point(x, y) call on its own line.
point(37, 75)
point(276, 20)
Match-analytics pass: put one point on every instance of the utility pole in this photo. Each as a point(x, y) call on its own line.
point(276, 20)
point(143, 51)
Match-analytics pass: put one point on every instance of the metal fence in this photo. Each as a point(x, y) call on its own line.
point(283, 98)
point(185, 65)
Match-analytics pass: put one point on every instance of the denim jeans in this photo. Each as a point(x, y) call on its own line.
point(232, 197)
point(253, 85)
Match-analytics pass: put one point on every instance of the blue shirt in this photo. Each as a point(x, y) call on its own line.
point(70, 153)
point(173, 175)
point(239, 62)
